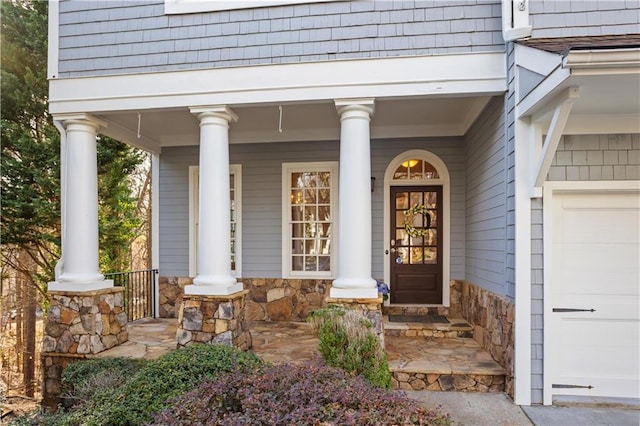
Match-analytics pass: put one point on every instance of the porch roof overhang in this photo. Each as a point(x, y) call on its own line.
point(588, 91)
point(437, 95)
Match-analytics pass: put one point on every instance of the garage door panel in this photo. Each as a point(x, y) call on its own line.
point(595, 265)
point(593, 226)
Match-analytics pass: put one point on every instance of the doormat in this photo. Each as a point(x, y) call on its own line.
point(419, 318)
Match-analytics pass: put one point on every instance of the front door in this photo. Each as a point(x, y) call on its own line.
point(416, 244)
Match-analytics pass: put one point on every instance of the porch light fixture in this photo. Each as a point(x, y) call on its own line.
point(409, 163)
point(373, 183)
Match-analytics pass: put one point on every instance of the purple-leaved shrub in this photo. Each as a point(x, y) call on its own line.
point(306, 394)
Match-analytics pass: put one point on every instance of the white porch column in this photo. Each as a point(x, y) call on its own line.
point(354, 215)
point(214, 230)
point(78, 269)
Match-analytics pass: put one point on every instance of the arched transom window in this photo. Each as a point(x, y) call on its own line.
point(415, 169)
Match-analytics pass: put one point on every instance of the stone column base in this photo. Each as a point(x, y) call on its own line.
point(79, 324)
point(214, 319)
point(370, 308)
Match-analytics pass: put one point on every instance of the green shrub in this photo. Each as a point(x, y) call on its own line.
point(307, 394)
point(168, 376)
point(82, 380)
point(348, 341)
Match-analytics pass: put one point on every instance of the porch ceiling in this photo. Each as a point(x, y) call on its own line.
point(397, 117)
point(608, 93)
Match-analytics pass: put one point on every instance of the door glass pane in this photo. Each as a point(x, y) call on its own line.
point(415, 198)
point(401, 172)
point(417, 241)
point(431, 198)
point(399, 218)
point(403, 253)
point(430, 171)
point(402, 200)
point(434, 218)
point(416, 169)
point(430, 255)
point(416, 255)
point(402, 238)
point(431, 239)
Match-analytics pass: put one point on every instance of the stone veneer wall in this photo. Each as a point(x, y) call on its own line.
point(269, 299)
point(492, 318)
point(79, 324)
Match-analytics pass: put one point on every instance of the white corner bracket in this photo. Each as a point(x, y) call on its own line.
point(542, 161)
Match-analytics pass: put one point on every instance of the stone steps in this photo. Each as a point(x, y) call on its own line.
point(454, 328)
point(439, 356)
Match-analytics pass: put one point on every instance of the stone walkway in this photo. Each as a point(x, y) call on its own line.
point(148, 338)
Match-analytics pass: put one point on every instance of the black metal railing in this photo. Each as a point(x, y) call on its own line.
point(139, 294)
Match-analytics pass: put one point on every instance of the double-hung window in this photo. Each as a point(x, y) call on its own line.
point(235, 239)
point(309, 219)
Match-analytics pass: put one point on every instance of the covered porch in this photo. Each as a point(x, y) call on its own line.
point(417, 363)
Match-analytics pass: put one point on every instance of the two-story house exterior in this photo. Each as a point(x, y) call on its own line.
point(482, 157)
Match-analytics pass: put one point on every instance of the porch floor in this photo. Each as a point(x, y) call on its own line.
point(416, 362)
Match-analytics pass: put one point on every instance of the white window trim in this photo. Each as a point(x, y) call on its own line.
point(236, 170)
point(444, 181)
point(287, 169)
point(515, 19)
point(172, 7)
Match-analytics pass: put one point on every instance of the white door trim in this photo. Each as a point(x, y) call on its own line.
point(443, 181)
point(550, 190)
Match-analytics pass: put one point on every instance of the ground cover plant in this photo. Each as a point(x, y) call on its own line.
point(348, 341)
point(220, 385)
point(307, 394)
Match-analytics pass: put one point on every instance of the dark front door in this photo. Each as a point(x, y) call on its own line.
point(416, 244)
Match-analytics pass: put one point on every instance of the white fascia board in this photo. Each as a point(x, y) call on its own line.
point(53, 39)
point(438, 75)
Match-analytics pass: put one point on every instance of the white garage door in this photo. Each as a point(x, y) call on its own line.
point(595, 328)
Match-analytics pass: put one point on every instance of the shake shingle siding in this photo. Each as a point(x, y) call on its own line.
point(577, 18)
point(131, 36)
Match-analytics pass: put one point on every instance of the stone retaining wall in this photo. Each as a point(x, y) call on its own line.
point(492, 318)
point(369, 308)
point(448, 382)
point(269, 299)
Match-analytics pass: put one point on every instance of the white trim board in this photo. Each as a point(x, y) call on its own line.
point(467, 74)
point(53, 46)
point(550, 189)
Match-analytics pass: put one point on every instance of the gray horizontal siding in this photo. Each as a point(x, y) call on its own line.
point(262, 200)
point(113, 37)
point(486, 200)
point(583, 18)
